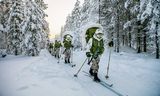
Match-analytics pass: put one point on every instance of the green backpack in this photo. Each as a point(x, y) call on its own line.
point(97, 47)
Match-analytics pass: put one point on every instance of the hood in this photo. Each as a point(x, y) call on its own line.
point(94, 36)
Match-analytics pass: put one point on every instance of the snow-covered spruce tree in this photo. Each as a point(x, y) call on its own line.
point(117, 17)
point(1, 25)
point(132, 26)
point(76, 24)
point(85, 10)
point(4, 15)
point(144, 16)
point(15, 34)
point(33, 37)
point(94, 11)
point(43, 23)
point(68, 23)
point(37, 28)
point(130, 11)
point(155, 26)
point(41, 4)
point(4, 11)
point(106, 18)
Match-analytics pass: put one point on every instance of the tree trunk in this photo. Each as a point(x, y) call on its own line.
point(130, 43)
point(129, 29)
point(99, 12)
point(156, 41)
point(118, 43)
point(138, 37)
point(123, 38)
point(144, 41)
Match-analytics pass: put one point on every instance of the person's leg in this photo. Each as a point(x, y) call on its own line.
point(91, 71)
point(58, 53)
point(69, 55)
point(95, 67)
point(65, 56)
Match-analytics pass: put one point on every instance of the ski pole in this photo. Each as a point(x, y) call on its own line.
point(72, 55)
point(76, 75)
point(90, 60)
point(108, 64)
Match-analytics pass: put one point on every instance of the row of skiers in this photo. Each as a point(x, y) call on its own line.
point(66, 48)
point(94, 50)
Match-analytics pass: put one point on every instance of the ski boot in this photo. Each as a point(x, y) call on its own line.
point(69, 61)
point(96, 79)
point(65, 61)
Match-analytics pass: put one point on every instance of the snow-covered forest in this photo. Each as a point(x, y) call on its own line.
point(133, 23)
point(23, 28)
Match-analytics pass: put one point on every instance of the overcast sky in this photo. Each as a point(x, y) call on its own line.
point(57, 12)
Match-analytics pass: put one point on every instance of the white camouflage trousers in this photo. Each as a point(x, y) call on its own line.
point(67, 54)
point(95, 65)
point(57, 52)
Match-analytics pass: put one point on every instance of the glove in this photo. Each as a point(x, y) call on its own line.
point(88, 54)
point(95, 56)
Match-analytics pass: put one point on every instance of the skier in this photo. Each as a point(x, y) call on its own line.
point(67, 48)
point(57, 48)
point(51, 47)
point(95, 49)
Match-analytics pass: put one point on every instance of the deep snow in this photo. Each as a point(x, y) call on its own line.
point(132, 74)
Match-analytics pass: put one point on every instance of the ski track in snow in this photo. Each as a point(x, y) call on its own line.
point(132, 74)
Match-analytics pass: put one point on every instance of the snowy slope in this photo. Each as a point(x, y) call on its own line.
point(131, 74)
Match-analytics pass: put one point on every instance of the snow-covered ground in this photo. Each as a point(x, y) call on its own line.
point(132, 74)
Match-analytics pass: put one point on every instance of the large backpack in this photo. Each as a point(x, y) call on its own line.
point(90, 32)
point(97, 47)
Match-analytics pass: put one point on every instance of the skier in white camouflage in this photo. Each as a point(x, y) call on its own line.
point(95, 49)
point(68, 46)
point(57, 48)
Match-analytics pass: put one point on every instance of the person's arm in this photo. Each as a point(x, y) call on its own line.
point(89, 45)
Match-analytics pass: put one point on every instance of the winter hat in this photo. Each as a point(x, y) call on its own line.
point(68, 37)
point(99, 31)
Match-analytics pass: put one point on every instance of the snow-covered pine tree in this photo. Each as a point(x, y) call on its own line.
point(76, 20)
point(33, 38)
point(4, 15)
point(85, 10)
point(15, 34)
point(41, 4)
point(94, 11)
point(67, 26)
point(131, 27)
point(106, 18)
point(144, 17)
point(117, 17)
point(37, 28)
point(155, 25)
